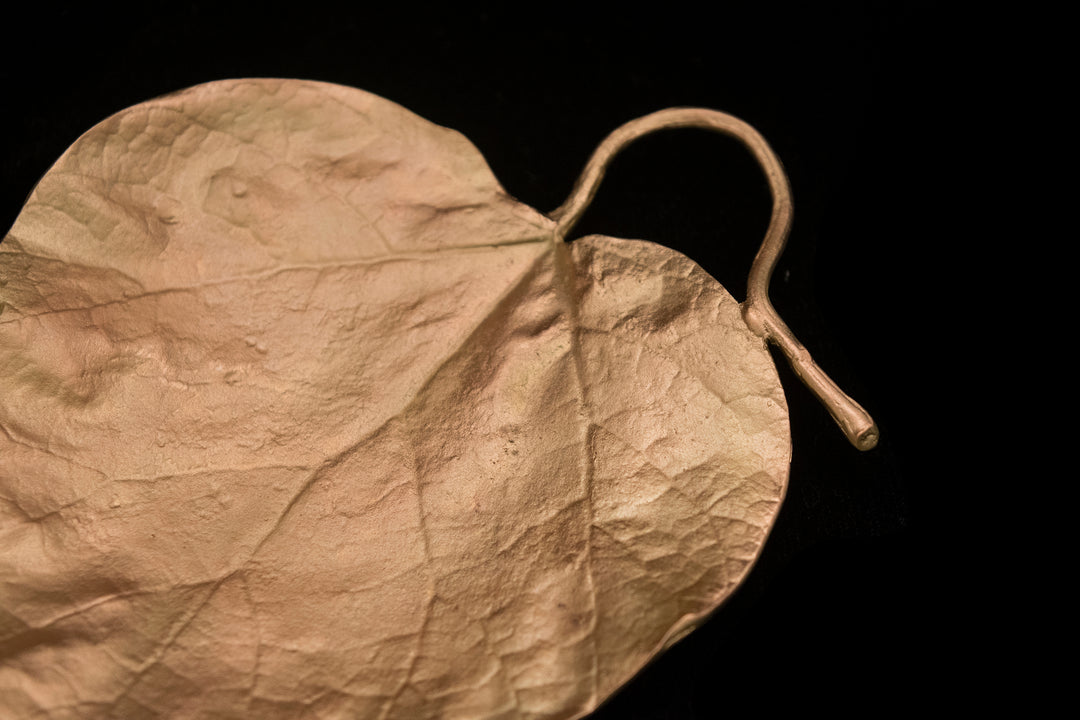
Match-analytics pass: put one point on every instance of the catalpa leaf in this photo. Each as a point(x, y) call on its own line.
point(301, 415)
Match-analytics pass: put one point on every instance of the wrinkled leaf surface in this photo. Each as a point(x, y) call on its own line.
point(301, 416)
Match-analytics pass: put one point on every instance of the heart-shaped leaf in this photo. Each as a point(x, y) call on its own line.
point(302, 416)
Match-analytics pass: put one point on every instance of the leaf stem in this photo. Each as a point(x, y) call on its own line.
point(758, 312)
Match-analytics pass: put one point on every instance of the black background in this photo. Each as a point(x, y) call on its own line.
point(851, 605)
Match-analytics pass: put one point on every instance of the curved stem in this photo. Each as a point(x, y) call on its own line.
point(758, 311)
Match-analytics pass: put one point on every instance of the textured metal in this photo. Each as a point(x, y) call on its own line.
point(303, 416)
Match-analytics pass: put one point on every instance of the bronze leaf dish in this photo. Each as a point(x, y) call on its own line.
point(301, 415)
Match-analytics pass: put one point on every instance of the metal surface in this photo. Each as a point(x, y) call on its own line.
point(301, 409)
